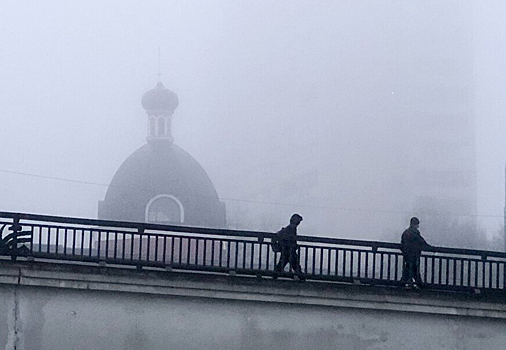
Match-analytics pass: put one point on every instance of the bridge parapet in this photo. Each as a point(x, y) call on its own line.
point(77, 240)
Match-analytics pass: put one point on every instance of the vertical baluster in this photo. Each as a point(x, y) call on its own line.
point(132, 241)
point(228, 254)
point(396, 267)
point(267, 258)
point(236, 255)
point(65, 230)
point(48, 239)
point(164, 256)
point(313, 269)
point(497, 275)
point(366, 271)
point(490, 278)
point(82, 243)
point(212, 251)
point(172, 248)
point(344, 262)
point(98, 244)
point(252, 255)
point(180, 255)
point(440, 271)
point(147, 237)
point(425, 268)
point(454, 272)
point(260, 246)
point(90, 244)
point(321, 260)
point(196, 251)
point(483, 274)
point(243, 255)
point(205, 252)
point(336, 267)
point(221, 253)
point(461, 272)
point(74, 241)
point(115, 245)
point(389, 266)
point(156, 237)
point(141, 238)
point(123, 250)
point(432, 267)
point(329, 258)
point(57, 236)
point(188, 248)
point(374, 255)
point(107, 234)
point(359, 263)
point(306, 258)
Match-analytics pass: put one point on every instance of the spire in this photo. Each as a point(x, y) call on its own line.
point(159, 65)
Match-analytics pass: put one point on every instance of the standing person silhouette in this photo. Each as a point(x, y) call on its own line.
point(412, 244)
point(287, 238)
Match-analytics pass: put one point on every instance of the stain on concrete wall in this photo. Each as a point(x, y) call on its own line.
point(6, 309)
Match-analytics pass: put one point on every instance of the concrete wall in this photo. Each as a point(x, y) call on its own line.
point(51, 307)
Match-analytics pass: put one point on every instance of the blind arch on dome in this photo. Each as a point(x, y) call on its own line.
point(165, 208)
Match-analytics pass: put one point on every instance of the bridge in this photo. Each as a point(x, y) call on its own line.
point(73, 283)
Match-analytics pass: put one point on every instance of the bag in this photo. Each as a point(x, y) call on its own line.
point(275, 244)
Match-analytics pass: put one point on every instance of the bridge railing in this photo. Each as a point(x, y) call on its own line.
point(77, 240)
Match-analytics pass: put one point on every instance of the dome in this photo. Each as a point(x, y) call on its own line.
point(162, 169)
point(160, 99)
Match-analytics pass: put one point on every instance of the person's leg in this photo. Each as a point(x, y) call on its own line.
point(416, 270)
point(295, 263)
point(283, 260)
point(412, 269)
point(405, 270)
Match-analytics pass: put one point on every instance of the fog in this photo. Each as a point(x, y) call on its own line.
point(332, 109)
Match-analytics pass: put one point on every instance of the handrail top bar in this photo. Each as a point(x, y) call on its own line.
point(238, 233)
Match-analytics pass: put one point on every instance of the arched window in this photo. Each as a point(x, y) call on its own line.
point(165, 208)
point(161, 127)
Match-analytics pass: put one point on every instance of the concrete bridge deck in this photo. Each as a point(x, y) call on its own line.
point(55, 306)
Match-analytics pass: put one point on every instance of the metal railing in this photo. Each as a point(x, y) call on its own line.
point(76, 240)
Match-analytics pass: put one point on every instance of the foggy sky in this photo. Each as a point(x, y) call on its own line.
point(253, 79)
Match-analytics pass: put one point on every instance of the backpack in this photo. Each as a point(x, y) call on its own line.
point(275, 244)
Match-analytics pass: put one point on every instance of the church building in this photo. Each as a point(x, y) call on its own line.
point(160, 182)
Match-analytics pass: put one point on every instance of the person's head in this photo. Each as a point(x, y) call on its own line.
point(295, 220)
point(414, 222)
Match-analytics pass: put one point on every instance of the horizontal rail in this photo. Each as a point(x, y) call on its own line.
point(244, 252)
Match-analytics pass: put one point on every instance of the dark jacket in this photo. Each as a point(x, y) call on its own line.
point(412, 242)
point(287, 236)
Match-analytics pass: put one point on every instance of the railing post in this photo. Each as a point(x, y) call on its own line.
point(140, 230)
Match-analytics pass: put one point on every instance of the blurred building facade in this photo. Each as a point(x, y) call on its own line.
point(398, 139)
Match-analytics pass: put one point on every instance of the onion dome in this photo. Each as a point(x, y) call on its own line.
point(160, 99)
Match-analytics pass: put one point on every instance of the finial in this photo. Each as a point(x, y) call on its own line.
point(159, 70)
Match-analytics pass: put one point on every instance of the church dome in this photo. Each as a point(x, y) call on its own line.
point(160, 99)
point(162, 169)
